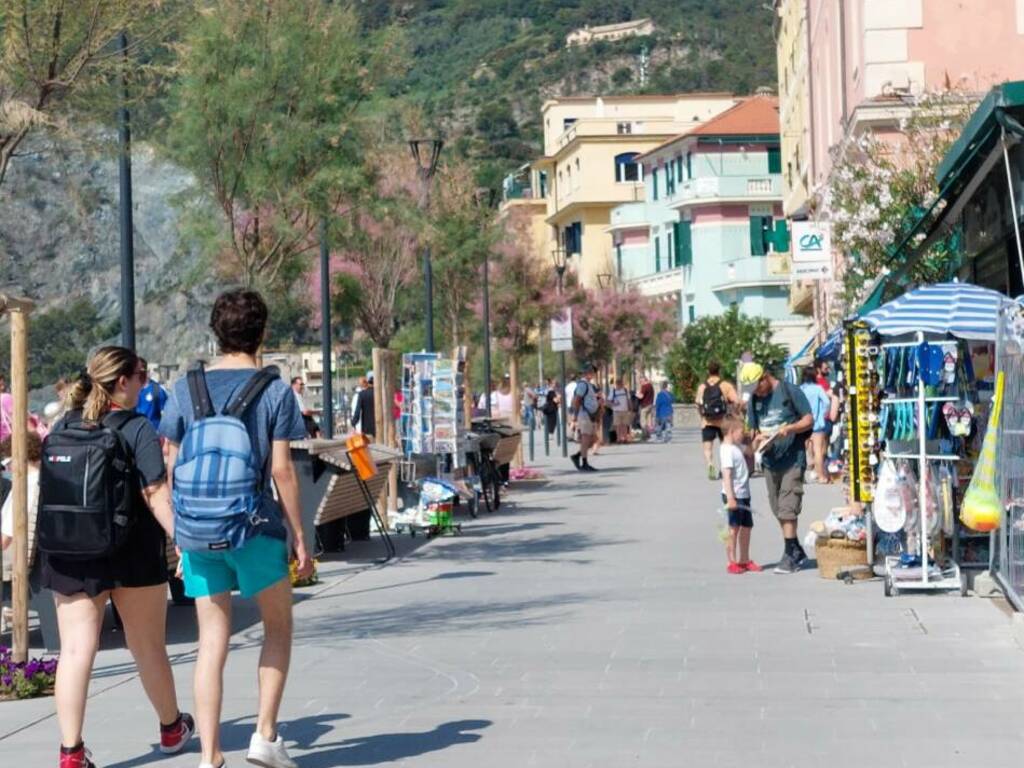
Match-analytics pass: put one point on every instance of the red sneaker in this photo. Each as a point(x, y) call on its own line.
point(175, 736)
point(751, 566)
point(736, 568)
point(77, 758)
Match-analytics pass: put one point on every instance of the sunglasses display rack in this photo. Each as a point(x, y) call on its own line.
point(862, 415)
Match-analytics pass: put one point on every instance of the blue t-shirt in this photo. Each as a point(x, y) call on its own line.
point(275, 416)
point(820, 404)
point(663, 404)
point(152, 403)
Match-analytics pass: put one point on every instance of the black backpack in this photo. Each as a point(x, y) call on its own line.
point(87, 488)
point(712, 403)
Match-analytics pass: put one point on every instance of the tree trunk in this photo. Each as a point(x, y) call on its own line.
point(517, 410)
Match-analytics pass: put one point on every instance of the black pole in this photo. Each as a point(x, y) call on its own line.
point(565, 443)
point(487, 334)
point(127, 230)
point(428, 284)
point(327, 417)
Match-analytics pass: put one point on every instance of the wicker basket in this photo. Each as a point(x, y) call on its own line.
point(837, 555)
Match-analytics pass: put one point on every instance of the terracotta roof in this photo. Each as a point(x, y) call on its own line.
point(753, 116)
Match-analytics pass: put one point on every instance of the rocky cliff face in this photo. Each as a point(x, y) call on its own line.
point(59, 241)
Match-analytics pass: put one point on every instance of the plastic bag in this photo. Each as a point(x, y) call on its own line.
point(982, 510)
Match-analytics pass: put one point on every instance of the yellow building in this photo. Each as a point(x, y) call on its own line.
point(795, 126)
point(591, 146)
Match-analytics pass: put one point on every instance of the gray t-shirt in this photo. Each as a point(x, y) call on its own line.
point(275, 416)
point(785, 405)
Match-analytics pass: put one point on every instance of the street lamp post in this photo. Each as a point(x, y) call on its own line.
point(426, 153)
point(327, 413)
point(487, 197)
point(125, 196)
point(560, 258)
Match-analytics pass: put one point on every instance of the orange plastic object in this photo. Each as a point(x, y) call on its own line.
point(359, 451)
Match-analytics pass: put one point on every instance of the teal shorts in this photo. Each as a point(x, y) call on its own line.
point(261, 563)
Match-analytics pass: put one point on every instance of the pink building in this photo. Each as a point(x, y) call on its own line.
point(868, 58)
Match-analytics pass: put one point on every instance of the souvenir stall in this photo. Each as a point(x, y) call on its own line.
point(920, 379)
point(434, 442)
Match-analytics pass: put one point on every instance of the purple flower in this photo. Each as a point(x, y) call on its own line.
point(7, 681)
point(32, 668)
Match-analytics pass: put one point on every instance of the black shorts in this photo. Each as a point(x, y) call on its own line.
point(708, 434)
point(741, 517)
point(140, 562)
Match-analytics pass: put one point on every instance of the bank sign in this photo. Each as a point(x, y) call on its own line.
point(812, 241)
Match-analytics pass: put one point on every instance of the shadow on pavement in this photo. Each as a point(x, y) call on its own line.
point(394, 747)
point(441, 616)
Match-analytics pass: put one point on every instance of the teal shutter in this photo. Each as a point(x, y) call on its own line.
point(657, 254)
point(689, 165)
point(780, 239)
point(654, 184)
point(774, 160)
point(684, 244)
point(758, 247)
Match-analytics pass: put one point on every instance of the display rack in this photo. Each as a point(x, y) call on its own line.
point(924, 577)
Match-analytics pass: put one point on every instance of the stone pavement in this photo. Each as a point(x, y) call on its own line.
point(591, 623)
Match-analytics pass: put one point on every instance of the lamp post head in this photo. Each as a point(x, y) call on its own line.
point(426, 153)
point(560, 259)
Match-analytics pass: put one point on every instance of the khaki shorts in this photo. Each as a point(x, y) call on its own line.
point(785, 492)
point(645, 413)
point(623, 418)
point(583, 423)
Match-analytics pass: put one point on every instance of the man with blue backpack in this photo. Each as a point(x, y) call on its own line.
point(230, 427)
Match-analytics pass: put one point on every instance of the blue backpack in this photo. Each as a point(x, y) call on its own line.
point(218, 485)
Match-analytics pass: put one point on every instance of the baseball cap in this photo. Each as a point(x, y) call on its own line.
point(750, 373)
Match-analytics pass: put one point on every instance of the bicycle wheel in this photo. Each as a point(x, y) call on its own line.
point(488, 486)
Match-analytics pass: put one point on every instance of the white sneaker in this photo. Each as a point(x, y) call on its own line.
point(269, 754)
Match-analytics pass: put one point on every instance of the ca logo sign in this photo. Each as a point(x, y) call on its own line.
point(810, 243)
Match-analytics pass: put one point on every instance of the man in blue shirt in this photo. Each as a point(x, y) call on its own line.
point(152, 398)
point(663, 412)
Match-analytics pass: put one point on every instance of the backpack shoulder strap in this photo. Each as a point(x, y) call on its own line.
point(117, 420)
point(199, 393)
point(251, 391)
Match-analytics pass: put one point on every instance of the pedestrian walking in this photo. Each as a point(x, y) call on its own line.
point(780, 417)
point(663, 403)
point(299, 390)
point(736, 497)
point(504, 399)
point(646, 404)
point(152, 398)
point(550, 407)
point(602, 409)
point(105, 541)
point(585, 407)
point(622, 411)
point(234, 403)
point(716, 398)
point(363, 415)
point(821, 405)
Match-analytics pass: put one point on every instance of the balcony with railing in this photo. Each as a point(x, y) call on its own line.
point(628, 216)
point(711, 189)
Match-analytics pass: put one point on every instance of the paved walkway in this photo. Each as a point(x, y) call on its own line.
point(592, 624)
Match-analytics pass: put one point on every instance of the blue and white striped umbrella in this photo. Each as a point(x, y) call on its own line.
point(955, 309)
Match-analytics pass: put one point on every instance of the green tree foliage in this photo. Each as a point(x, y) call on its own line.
point(723, 338)
point(52, 51)
point(268, 105)
point(59, 340)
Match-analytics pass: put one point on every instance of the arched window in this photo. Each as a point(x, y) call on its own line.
point(627, 168)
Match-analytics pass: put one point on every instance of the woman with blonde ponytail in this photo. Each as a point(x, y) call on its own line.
point(134, 577)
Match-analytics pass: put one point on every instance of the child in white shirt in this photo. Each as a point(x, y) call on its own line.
point(736, 497)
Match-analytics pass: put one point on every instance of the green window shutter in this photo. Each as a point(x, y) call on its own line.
point(774, 160)
point(780, 238)
point(758, 247)
point(689, 165)
point(657, 254)
point(679, 167)
point(684, 243)
point(654, 184)
point(669, 250)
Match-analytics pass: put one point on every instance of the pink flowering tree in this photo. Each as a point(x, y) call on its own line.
point(623, 324)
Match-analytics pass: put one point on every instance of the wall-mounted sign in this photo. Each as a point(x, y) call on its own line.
point(812, 270)
point(812, 241)
point(561, 332)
